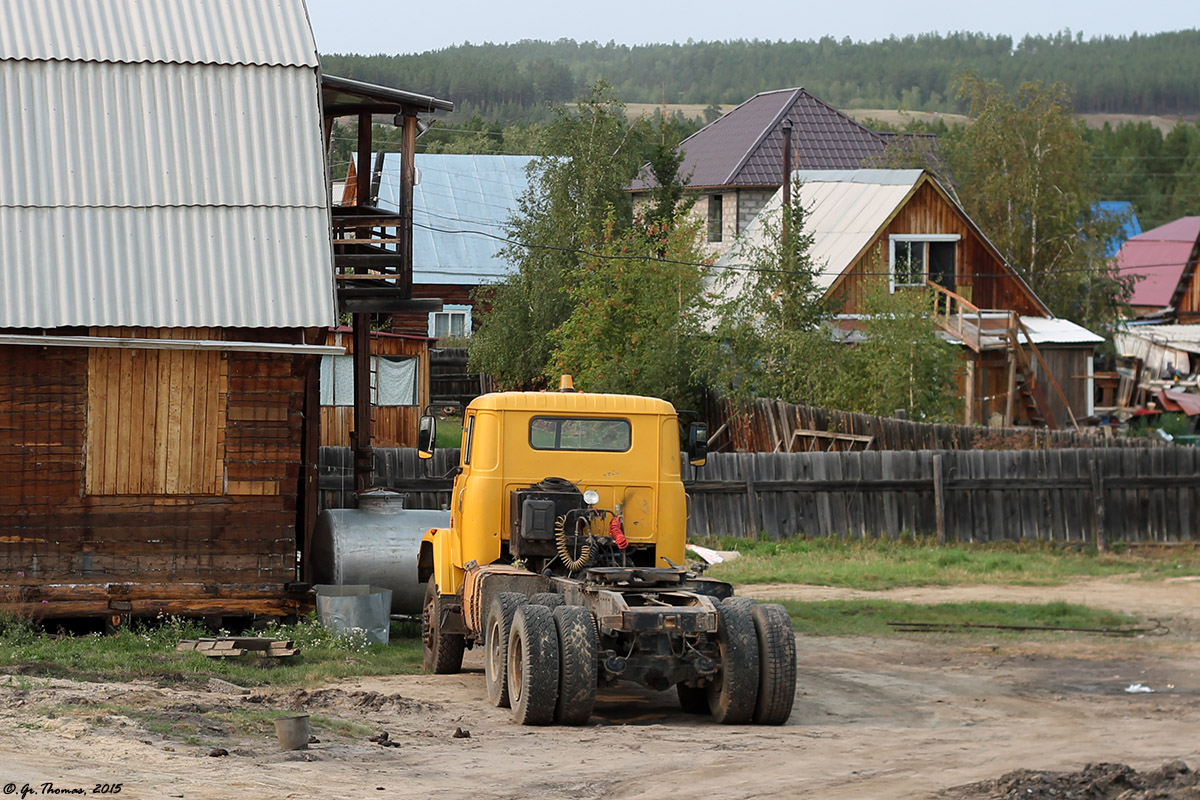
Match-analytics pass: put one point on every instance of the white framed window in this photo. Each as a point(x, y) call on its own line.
point(454, 321)
point(393, 381)
point(916, 258)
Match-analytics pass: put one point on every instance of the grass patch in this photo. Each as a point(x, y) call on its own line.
point(148, 652)
point(449, 431)
point(885, 564)
point(871, 617)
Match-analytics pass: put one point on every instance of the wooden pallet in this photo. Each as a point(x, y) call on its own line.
point(227, 646)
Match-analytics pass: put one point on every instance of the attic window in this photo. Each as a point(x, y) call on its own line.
point(714, 217)
point(915, 258)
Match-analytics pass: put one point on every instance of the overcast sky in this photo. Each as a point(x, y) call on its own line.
point(390, 26)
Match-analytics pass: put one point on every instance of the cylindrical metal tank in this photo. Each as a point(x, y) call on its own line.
point(376, 543)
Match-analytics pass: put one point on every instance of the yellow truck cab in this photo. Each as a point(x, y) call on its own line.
point(563, 558)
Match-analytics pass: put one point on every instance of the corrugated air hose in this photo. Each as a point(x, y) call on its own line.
point(564, 552)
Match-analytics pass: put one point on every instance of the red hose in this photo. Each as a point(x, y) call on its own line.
point(618, 535)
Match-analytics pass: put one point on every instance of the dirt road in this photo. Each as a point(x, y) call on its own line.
point(901, 717)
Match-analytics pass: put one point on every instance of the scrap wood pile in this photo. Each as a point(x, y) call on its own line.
point(229, 646)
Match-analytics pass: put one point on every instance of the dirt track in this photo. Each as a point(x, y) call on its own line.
point(902, 717)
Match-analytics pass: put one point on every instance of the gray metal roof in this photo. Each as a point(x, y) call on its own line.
point(461, 203)
point(168, 174)
point(267, 32)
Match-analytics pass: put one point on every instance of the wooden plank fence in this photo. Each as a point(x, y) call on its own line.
point(769, 426)
point(1149, 494)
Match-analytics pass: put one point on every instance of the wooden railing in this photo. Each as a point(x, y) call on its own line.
point(951, 309)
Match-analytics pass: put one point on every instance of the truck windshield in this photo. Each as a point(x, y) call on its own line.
point(564, 433)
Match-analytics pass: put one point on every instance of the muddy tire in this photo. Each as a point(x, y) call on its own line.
point(495, 658)
point(776, 664)
point(731, 698)
point(533, 665)
point(443, 651)
point(548, 599)
point(577, 672)
point(692, 699)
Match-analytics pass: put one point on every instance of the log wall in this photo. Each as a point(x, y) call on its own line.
point(77, 537)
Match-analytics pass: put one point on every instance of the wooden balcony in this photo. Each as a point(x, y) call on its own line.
point(369, 271)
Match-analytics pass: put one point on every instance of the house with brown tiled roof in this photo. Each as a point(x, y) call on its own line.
point(735, 164)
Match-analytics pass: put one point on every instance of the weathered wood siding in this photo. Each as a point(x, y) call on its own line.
point(87, 515)
point(391, 426)
point(980, 276)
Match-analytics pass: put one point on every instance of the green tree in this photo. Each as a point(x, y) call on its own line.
point(1023, 168)
point(635, 324)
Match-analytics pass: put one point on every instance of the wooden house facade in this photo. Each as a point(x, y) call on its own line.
point(899, 228)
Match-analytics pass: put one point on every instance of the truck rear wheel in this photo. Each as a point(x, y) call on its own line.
point(497, 627)
point(550, 600)
point(731, 698)
point(443, 651)
point(777, 664)
point(577, 674)
point(533, 666)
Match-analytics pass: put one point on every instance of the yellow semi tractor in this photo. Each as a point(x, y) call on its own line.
point(564, 561)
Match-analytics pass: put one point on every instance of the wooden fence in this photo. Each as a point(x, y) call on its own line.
point(1149, 494)
point(773, 426)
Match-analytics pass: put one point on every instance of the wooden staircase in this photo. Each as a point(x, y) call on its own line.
point(982, 330)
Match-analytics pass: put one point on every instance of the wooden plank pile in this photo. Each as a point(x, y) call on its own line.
point(229, 646)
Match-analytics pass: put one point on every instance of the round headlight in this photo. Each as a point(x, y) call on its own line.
point(591, 497)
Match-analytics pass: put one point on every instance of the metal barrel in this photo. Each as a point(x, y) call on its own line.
point(378, 544)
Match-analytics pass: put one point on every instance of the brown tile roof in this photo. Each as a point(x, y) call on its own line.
point(745, 147)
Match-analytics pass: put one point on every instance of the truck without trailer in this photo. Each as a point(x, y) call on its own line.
point(564, 560)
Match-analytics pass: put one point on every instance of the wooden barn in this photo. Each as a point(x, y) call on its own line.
point(900, 227)
point(170, 279)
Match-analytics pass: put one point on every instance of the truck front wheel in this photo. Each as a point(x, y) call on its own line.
point(497, 627)
point(732, 696)
point(443, 651)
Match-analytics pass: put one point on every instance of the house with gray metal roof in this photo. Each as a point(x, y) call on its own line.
point(169, 277)
point(735, 163)
point(902, 229)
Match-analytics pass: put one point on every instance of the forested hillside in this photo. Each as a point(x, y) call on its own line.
point(1151, 74)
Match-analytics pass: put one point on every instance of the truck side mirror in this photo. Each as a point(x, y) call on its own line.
point(697, 444)
point(427, 436)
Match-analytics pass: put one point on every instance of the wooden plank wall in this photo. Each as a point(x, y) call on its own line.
point(67, 552)
point(1150, 495)
point(769, 425)
point(158, 416)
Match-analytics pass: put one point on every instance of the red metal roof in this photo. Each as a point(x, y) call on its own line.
point(1159, 257)
point(745, 147)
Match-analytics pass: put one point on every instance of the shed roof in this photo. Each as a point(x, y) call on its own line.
point(1051, 330)
point(460, 207)
point(745, 147)
point(161, 165)
point(262, 32)
point(1158, 258)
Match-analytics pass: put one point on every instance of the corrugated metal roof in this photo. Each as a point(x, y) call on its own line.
point(1177, 337)
point(845, 210)
point(267, 32)
point(74, 134)
point(187, 192)
point(1050, 330)
point(745, 147)
point(1158, 266)
point(461, 202)
point(193, 266)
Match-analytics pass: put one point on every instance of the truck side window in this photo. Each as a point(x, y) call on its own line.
point(565, 433)
point(470, 430)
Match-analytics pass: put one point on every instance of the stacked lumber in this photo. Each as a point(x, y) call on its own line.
point(228, 646)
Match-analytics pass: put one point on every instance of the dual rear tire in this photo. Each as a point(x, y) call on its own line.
point(541, 661)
